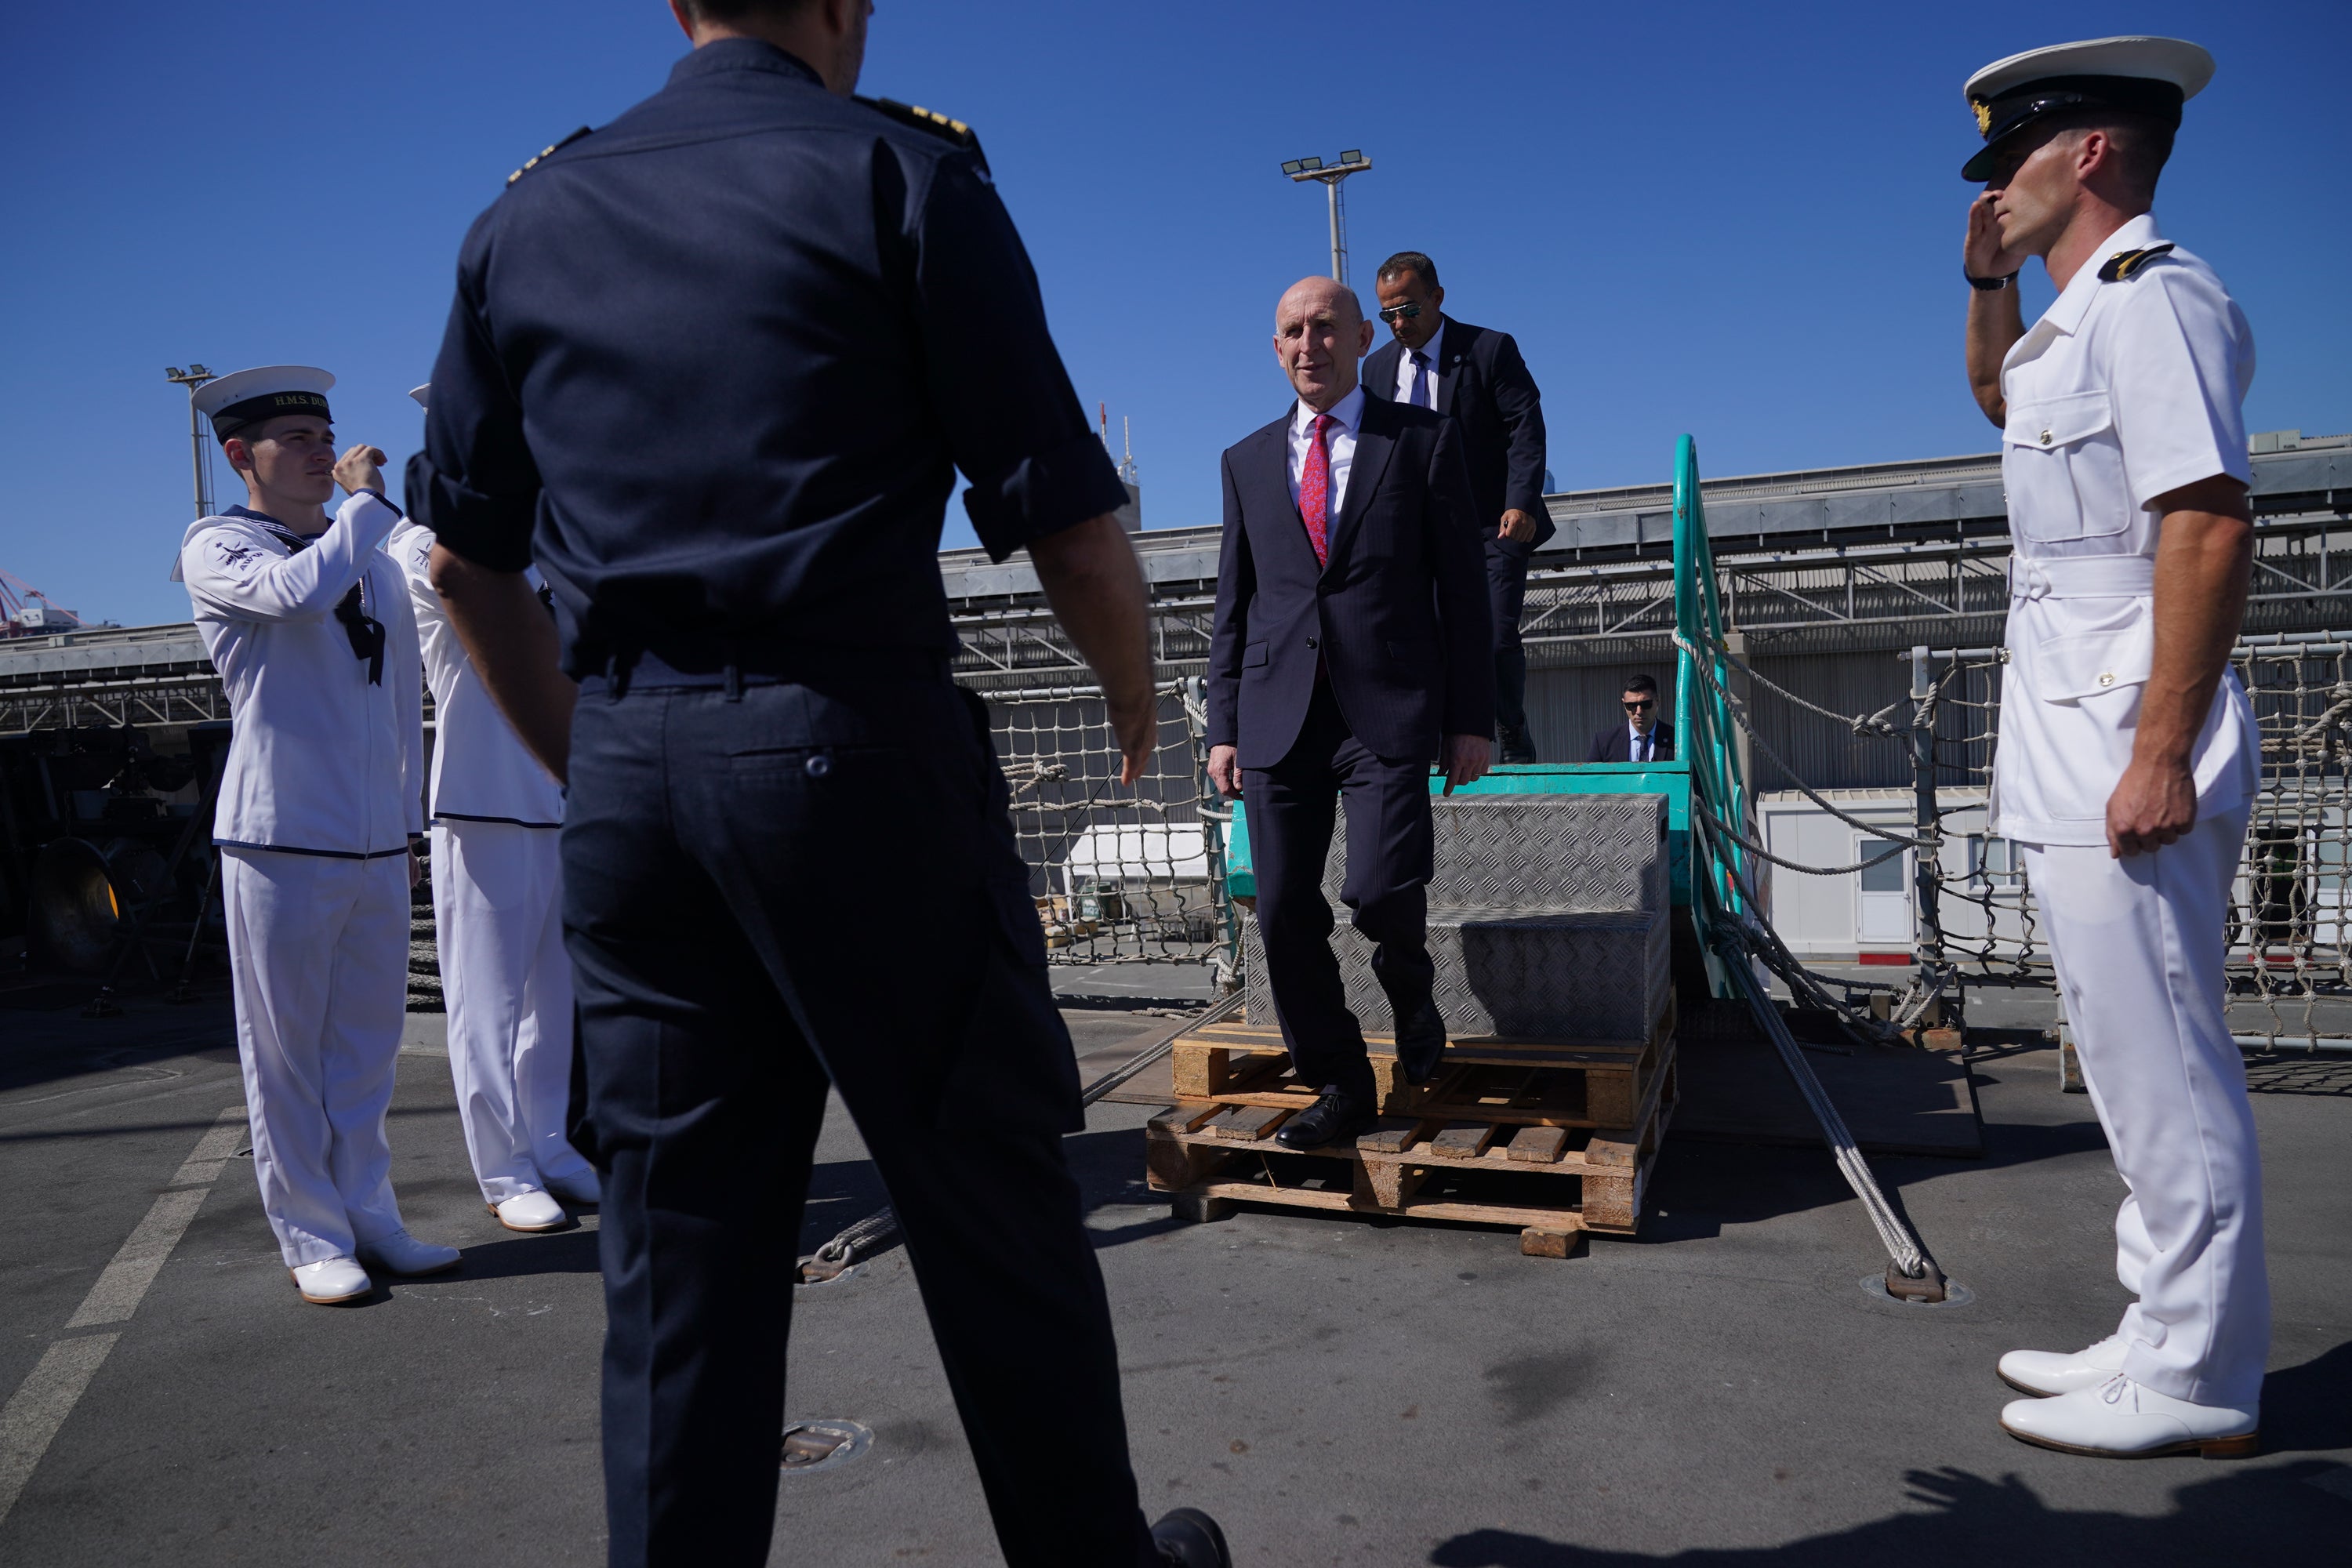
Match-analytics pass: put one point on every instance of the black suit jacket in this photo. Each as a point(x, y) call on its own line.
point(1484, 386)
point(1397, 616)
point(1615, 745)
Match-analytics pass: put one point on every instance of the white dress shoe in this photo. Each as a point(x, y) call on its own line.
point(400, 1253)
point(532, 1212)
point(2048, 1372)
point(333, 1281)
point(582, 1188)
point(2121, 1419)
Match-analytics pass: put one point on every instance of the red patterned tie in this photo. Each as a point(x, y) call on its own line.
point(1315, 490)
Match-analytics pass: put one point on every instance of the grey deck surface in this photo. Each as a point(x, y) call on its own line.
point(1894, 1100)
point(1719, 1392)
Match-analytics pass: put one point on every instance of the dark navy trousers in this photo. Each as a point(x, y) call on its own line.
point(1391, 855)
point(763, 892)
point(1506, 597)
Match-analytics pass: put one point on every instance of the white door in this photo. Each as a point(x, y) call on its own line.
point(1882, 900)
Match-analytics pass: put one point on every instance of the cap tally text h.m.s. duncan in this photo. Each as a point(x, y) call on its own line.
point(237, 402)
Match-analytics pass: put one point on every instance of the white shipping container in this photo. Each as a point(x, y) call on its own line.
point(1872, 911)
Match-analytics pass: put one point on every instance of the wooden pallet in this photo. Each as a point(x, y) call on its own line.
point(1207, 1155)
point(1539, 1083)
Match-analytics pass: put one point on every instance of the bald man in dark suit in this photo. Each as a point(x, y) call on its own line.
point(1351, 650)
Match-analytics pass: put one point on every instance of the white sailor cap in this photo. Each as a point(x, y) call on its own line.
point(248, 397)
point(2141, 75)
point(244, 398)
point(418, 393)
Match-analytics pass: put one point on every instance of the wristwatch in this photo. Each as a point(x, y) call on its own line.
point(1988, 285)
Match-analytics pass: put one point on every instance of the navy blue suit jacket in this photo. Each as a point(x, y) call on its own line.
point(1484, 386)
point(1615, 745)
point(1398, 616)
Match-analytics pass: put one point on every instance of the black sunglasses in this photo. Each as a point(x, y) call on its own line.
point(1637, 707)
point(1399, 313)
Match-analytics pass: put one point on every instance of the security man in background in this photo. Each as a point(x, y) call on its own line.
point(2128, 754)
point(1475, 377)
point(714, 368)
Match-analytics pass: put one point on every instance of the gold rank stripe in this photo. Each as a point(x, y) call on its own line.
point(547, 152)
point(2124, 264)
point(933, 115)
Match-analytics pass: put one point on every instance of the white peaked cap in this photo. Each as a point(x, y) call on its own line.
point(2185, 66)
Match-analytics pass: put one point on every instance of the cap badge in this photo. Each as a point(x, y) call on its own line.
point(1984, 115)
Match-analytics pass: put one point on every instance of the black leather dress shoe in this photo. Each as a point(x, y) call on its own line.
point(1187, 1538)
point(1333, 1119)
point(1421, 1043)
point(1517, 745)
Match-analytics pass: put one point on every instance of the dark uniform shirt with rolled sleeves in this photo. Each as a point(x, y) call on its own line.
point(713, 368)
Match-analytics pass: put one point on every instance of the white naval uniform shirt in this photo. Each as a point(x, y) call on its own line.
point(320, 761)
point(1341, 440)
point(2120, 392)
point(1405, 368)
point(481, 770)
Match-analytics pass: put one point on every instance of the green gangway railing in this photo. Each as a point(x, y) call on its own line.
point(1706, 734)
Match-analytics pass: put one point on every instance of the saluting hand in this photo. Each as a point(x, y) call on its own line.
point(361, 468)
point(1981, 253)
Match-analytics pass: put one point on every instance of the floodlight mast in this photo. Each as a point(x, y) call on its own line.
point(1351, 162)
point(200, 451)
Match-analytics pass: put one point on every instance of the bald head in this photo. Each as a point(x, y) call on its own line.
point(1320, 334)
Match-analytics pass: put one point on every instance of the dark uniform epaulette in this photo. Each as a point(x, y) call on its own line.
point(938, 124)
point(2123, 264)
point(545, 152)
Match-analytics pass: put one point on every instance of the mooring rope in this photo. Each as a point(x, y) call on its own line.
point(1737, 711)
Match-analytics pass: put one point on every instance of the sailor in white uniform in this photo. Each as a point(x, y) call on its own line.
point(499, 916)
point(309, 625)
point(2128, 754)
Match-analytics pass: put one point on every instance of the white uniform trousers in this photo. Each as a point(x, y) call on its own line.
point(319, 963)
point(2138, 946)
point(497, 902)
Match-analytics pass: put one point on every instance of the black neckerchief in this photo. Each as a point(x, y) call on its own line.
point(366, 632)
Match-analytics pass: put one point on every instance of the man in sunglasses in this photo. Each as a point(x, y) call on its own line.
point(321, 805)
point(1475, 377)
point(1644, 737)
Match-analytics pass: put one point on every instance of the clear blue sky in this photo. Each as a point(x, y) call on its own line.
point(1738, 220)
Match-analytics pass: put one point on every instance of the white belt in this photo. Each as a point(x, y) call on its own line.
point(2082, 576)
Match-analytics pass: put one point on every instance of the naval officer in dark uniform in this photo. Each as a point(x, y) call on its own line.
point(714, 368)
